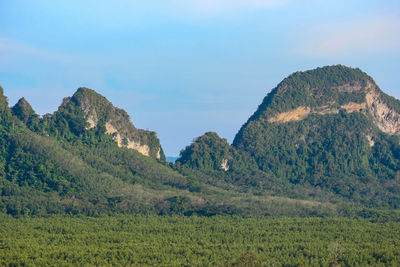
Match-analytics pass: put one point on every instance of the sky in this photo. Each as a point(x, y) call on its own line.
point(186, 67)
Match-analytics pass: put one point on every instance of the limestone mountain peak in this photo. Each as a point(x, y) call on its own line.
point(100, 113)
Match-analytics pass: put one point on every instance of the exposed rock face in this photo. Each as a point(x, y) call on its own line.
point(293, 115)
point(225, 165)
point(92, 123)
point(370, 140)
point(301, 113)
point(386, 118)
point(354, 107)
point(123, 142)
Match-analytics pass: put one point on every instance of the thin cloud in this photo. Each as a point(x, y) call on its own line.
point(379, 34)
point(18, 57)
point(213, 7)
point(10, 46)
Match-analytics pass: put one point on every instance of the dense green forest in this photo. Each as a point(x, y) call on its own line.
point(125, 240)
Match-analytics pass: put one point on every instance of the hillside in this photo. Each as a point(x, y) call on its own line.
point(331, 128)
point(68, 162)
point(54, 168)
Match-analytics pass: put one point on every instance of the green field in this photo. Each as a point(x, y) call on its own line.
point(197, 241)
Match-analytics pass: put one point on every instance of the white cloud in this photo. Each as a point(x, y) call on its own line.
point(376, 34)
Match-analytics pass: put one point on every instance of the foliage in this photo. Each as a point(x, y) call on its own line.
point(24, 111)
point(197, 241)
point(209, 151)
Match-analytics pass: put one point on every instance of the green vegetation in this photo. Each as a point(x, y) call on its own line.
point(208, 152)
point(197, 241)
point(328, 150)
point(24, 111)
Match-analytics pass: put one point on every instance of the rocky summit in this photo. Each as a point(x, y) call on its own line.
point(98, 113)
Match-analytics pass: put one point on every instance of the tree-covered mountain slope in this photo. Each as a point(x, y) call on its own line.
point(43, 173)
point(61, 164)
point(330, 128)
point(211, 152)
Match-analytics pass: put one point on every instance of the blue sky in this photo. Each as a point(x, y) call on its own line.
point(184, 67)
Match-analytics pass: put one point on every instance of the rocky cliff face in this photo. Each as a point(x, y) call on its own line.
point(386, 118)
point(100, 113)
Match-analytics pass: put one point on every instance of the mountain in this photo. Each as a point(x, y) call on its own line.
point(62, 163)
point(330, 128)
point(87, 110)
